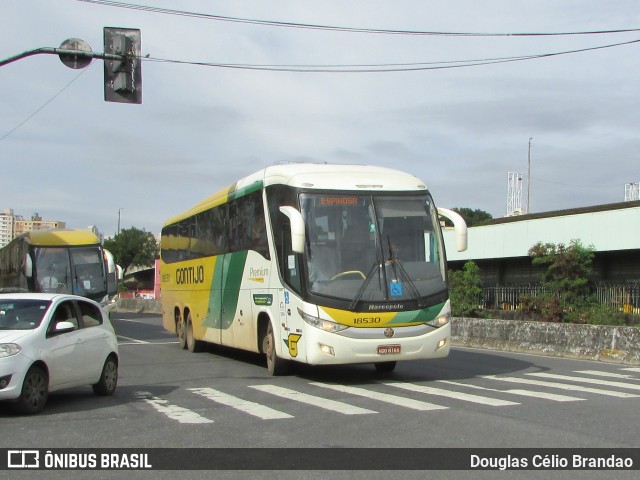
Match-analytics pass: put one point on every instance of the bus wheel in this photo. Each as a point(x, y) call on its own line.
point(385, 367)
point(275, 365)
point(182, 338)
point(193, 345)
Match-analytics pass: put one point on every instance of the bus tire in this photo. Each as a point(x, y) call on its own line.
point(193, 345)
point(385, 367)
point(275, 365)
point(180, 332)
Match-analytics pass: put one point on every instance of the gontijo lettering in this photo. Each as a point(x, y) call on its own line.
point(188, 275)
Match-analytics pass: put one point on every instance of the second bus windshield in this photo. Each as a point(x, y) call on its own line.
point(372, 248)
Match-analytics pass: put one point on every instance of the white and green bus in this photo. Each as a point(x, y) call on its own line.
point(313, 263)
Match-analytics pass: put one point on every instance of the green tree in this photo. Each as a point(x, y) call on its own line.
point(465, 290)
point(473, 217)
point(133, 246)
point(565, 279)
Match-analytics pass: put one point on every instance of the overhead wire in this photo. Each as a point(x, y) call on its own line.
point(310, 26)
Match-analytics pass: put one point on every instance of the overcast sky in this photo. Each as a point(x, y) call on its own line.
point(70, 156)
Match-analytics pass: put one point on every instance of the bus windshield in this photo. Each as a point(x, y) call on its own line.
point(53, 266)
point(373, 248)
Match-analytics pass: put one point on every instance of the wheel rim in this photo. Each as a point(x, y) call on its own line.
point(35, 390)
point(111, 375)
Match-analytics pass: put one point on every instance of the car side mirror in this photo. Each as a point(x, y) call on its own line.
point(64, 327)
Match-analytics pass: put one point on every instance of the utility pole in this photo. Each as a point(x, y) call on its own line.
point(529, 179)
point(122, 66)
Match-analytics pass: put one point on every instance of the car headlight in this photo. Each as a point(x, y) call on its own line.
point(326, 325)
point(441, 321)
point(9, 349)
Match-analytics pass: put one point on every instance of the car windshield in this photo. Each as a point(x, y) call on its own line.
point(373, 248)
point(22, 314)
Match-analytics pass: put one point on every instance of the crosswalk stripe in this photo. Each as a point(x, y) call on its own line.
point(182, 415)
point(561, 386)
point(598, 381)
point(631, 369)
point(599, 373)
point(255, 409)
point(495, 402)
point(325, 403)
point(525, 393)
point(383, 397)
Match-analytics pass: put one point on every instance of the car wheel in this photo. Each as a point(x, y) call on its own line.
point(35, 390)
point(108, 379)
point(275, 365)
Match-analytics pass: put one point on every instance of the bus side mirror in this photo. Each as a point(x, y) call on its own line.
point(297, 228)
point(459, 226)
point(27, 266)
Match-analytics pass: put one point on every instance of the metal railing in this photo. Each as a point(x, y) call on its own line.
point(624, 296)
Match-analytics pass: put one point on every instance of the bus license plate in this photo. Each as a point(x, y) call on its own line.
point(388, 349)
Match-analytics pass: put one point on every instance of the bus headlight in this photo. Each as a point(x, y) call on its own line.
point(441, 321)
point(326, 325)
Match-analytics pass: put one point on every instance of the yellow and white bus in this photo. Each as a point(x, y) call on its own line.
point(313, 263)
point(63, 261)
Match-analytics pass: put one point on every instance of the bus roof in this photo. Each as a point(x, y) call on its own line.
point(320, 176)
point(52, 238)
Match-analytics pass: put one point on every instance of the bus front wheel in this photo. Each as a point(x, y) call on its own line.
point(275, 364)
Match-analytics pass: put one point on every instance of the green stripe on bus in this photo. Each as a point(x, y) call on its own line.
point(227, 278)
point(418, 316)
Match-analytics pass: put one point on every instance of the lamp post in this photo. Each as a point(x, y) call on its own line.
point(119, 210)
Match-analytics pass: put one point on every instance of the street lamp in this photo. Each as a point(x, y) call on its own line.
point(119, 210)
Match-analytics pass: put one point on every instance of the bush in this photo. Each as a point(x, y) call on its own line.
point(465, 290)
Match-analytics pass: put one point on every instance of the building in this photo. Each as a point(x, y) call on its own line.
point(12, 225)
point(6, 226)
point(500, 247)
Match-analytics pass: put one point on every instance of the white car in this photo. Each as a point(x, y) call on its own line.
point(49, 342)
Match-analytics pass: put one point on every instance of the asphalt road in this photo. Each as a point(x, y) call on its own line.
point(167, 397)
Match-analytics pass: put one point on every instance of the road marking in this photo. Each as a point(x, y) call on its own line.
point(325, 403)
point(631, 369)
point(251, 408)
point(561, 386)
point(142, 342)
point(383, 397)
point(495, 402)
point(525, 393)
point(599, 373)
point(174, 412)
point(598, 381)
point(133, 340)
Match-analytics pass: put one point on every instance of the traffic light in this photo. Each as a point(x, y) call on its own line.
point(122, 78)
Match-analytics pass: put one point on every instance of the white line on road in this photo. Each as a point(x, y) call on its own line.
point(525, 393)
point(494, 402)
point(325, 403)
point(251, 408)
point(174, 412)
point(599, 373)
point(561, 386)
point(382, 397)
point(586, 380)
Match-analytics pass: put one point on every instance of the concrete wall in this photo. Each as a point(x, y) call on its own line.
point(592, 342)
